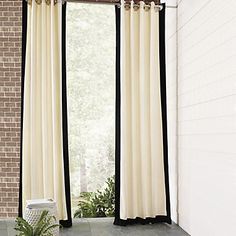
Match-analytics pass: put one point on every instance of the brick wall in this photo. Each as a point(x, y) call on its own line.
point(10, 89)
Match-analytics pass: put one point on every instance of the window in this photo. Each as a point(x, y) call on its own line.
point(91, 95)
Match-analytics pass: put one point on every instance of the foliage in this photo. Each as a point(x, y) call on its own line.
point(44, 226)
point(98, 204)
point(91, 95)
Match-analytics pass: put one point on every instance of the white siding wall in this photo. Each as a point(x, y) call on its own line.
point(171, 77)
point(207, 116)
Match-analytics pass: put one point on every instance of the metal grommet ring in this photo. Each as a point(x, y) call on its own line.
point(48, 2)
point(38, 1)
point(160, 7)
point(136, 6)
point(127, 5)
point(147, 7)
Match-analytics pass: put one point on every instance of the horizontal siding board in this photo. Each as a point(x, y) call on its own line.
point(171, 77)
point(207, 116)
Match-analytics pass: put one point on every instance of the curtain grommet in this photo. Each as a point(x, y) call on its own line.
point(38, 1)
point(127, 6)
point(29, 2)
point(136, 6)
point(158, 8)
point(48, 2)
point(147, 7)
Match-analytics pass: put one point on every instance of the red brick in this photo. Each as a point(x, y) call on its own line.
point(10, 104)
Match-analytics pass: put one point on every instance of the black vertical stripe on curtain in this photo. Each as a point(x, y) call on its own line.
point(23, 52)
point(68, 222)
point(161, 218)
point(163, 105)
point(117, 124)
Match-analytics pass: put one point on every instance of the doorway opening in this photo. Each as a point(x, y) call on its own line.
point(91, 107)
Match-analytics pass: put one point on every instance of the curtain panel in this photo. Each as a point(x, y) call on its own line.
point(44, 144)
point(142, 187)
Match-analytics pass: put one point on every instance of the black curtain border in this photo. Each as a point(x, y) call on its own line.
point(118, 121)
point(159, 218)
point(162, 54)
point(23, 55)
point(68, 222)
point(142, 221)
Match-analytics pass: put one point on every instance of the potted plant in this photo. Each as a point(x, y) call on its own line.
point(43, 227)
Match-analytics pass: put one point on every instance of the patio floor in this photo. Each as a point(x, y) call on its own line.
point(104, 227)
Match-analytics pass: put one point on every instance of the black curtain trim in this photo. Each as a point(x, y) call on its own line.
point(23, 52)
point(148, 220)
point(163, 104)
point(117, 124)
point(160, 218)
point(68, 222)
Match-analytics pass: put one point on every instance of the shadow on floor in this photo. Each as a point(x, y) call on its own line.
point(104, 227)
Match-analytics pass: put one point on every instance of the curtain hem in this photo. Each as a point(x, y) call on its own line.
point(66, 223)
point(138, 220)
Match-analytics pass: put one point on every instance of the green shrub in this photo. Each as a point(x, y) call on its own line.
point(43, 227)
point(98, 204)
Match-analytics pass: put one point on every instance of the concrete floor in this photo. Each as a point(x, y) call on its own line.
point(104, 227)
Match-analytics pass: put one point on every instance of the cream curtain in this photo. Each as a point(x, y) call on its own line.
point(142, 177)
point(42, 144)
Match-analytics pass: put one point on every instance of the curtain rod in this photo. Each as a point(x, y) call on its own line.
point(104, 2)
